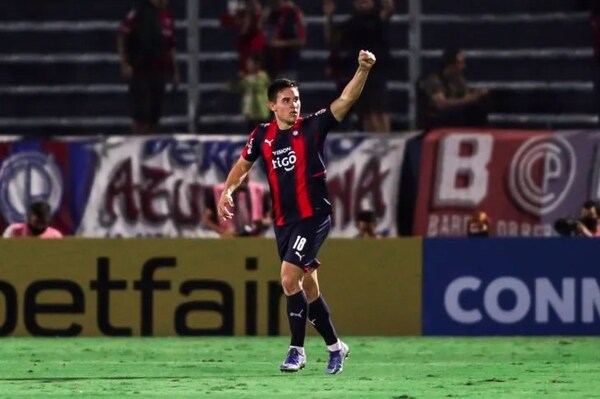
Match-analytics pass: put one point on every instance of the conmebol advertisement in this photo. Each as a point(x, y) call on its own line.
point(508, 286)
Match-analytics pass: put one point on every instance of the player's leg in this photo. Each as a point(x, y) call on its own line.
point(297, 310)
point(297, 305)
point(319, 316)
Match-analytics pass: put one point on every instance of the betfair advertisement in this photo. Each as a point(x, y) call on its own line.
point(187, 287)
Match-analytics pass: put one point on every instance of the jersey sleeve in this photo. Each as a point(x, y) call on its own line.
point(251, 151)
point(325, 121)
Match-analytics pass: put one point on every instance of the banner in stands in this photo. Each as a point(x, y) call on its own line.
point(156, 186)
point(507, 286)
point(157, 287)
point(523, 180)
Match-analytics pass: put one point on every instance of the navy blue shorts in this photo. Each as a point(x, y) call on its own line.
point(298, 243)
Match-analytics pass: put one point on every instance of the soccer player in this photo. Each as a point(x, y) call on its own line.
point(292, 151)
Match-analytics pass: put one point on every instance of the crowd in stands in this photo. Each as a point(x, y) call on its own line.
point(270, 38)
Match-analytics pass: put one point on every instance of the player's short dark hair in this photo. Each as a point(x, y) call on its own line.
point(449, 56)
point(40, 209)
point(277, 86)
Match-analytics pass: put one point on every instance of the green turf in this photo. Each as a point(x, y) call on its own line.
point(248, 368)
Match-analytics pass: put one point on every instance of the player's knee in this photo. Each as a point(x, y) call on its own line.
point(290, 285)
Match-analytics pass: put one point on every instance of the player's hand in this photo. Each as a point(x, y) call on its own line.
point(225, 202)
point(366, 60)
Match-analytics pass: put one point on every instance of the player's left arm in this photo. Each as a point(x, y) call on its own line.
point(351, 93)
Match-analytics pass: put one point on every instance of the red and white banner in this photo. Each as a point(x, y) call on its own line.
point(524, 180)
point(155, 186)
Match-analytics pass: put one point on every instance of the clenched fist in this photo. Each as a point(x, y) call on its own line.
point(366, 60)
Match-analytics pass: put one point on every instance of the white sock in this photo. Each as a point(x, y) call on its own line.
point(300, 349)
point(335, 347)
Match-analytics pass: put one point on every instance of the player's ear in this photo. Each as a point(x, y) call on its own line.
point(272, 106)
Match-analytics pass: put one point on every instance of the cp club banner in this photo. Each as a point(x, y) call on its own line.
point(524, 180)
point(156, 186)
point(508, 286)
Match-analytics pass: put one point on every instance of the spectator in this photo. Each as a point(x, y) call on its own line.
point(247, 21)
point(367, 28)
point(587, 225)
point(252, 216)
point(286, 35)
point(445, 98)
point(37, 225)
point(146, 46)
point(366, 223)
point(254, 86)
point(478, 225)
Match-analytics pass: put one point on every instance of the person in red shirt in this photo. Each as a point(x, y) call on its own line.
point(292, 150)
point(37, 225)
point(286, 36)
point(247, 21)
point(146, 46)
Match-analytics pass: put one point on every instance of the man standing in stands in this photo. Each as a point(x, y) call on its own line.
point(247, 20)
point(291, 148)
point(37, 225)
point(286, 35)
point(146, 46)
point(445, 100)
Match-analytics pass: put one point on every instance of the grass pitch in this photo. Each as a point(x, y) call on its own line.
point(248, 368)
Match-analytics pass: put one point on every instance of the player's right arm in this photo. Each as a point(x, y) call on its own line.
point(341, 106)
point(234, 179)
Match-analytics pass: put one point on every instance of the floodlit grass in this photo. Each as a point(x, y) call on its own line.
point(248, 368)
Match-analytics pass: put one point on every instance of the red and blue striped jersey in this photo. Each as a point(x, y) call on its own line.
point(294, 165)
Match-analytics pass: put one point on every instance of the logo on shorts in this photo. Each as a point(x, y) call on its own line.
point(541, 173)
point(299, 255)
point(27, 177)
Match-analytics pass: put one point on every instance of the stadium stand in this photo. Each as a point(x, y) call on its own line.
point(59, 71)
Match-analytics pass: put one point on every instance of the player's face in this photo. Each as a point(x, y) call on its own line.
point(287, 106)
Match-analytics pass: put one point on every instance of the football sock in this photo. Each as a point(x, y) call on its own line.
point(320, 317)
point(297, 308)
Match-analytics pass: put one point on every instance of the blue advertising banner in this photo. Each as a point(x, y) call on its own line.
point(511, 286)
